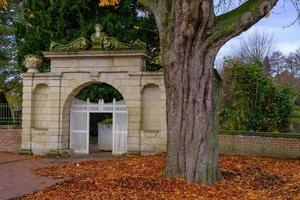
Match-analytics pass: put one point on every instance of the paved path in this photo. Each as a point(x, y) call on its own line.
point(17, 178)
point(10, 157)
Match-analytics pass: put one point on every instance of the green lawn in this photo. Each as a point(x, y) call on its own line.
point(296, 114)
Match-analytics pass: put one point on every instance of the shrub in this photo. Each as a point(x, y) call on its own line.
point(251, 101)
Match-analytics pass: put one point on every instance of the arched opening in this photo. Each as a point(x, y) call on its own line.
point(99, 91)
point(151, 108)
point(98, 120)
point(40, 107)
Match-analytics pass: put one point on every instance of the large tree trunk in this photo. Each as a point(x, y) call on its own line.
point(190, 36)
point(191, 116)
point(188, 60)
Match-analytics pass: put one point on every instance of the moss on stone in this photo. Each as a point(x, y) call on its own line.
point(25, 152)
point(57, 154)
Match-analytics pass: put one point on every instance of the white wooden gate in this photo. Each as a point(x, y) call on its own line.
point(79, 127)
point(80, 120)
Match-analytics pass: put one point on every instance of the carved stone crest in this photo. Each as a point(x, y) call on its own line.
point(76, 45)
point(32, 62)
point(102, 41)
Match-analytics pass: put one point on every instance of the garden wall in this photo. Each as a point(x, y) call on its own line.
point(240, 143)
point(10, 139)
point(285, 145)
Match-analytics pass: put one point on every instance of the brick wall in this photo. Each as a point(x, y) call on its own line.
point(10, 139)
point(262, 144)
point(259, 144)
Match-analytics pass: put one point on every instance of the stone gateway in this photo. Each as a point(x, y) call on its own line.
point(48, 98)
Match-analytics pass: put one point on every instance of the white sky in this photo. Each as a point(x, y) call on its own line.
point(286, 39)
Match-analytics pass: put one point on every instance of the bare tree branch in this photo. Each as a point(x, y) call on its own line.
point(240, 19)
point(256, 46)
point(160, 9)
point(222, 6)
point(150, 4)
point(296, 4)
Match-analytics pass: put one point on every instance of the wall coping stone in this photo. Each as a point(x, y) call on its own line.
point(42, 75)
point(147, 73)
point(260, 134)
point(10, 127)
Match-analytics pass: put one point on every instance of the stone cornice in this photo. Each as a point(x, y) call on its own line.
point(97, 54)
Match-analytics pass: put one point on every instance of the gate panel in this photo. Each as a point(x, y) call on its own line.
point(80, 119)
point(120, 128)
point(79, 126)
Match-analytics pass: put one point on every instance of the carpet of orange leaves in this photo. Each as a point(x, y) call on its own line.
point(141, 178)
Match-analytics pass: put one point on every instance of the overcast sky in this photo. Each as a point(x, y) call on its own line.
point(286, 39)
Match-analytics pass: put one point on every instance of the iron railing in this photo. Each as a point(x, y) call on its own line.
point(10, 115)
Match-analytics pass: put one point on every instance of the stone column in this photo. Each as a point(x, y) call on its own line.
point(55, 136)
point(27, 109)
point(133, 100)
point(31, 62)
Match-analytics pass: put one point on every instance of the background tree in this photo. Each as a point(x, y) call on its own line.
point(66, 20)
point(252, 102)
point(292, 62)
point(256, 46)
point(280, 63)
point(10, 83)
point(277, 62)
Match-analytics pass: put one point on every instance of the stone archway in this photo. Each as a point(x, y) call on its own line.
point(71, 96)
point(76, 120)
point(71, 72)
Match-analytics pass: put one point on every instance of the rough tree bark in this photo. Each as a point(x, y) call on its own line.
point(190, 37)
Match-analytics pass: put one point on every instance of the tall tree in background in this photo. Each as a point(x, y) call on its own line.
point(256, 46)
point(280, 63)
point(10, 83)
point(65, 20)
point(292, 62)
point(277, 62)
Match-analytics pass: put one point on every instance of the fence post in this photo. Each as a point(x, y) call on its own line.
point(88, 103)
point(114, 128)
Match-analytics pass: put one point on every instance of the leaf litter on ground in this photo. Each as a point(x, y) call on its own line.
point(140, 177)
